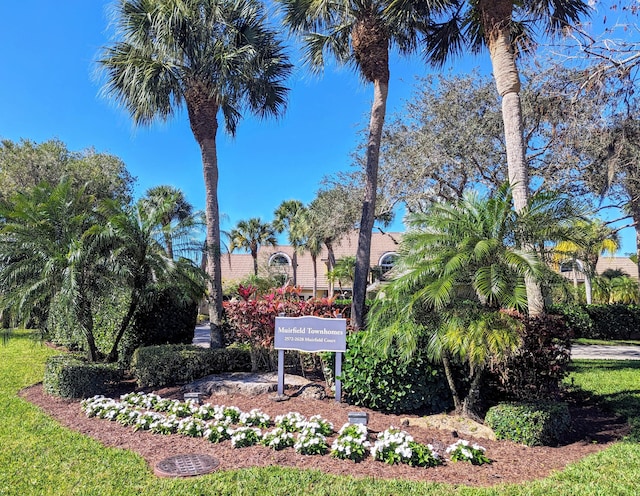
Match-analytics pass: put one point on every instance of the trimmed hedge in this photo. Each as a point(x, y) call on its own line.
point(168, 365)
point(390, 384)
point(70, 377)
point(533, 424)
point(600, 321)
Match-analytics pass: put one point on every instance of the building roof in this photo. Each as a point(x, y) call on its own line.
point(238, 266)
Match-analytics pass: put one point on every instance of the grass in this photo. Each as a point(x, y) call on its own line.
point(602, 342)
point(39, 457)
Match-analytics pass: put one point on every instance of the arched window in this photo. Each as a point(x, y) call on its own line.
point(279, 260)
point(387, 261)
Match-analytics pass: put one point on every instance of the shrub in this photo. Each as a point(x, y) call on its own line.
point(537, 369)
point(70, 377)
point(533, 424)
point(389, 383)
point(168, 319)
point(166, 365)
point(614, 321)
point(601, 321)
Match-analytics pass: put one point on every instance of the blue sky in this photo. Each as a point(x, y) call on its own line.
point(49, 90)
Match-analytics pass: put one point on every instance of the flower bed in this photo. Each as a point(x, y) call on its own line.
point(219, 423)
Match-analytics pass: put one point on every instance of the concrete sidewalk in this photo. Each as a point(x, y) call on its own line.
point(202, 336)
point(603, 352)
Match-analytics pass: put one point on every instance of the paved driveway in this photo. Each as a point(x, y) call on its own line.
point(601, 352)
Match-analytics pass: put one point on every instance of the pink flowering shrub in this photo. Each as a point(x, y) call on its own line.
point(252, 321)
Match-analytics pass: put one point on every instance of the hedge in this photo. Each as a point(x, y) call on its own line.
point(533, 424)
point(69, 376)
point(168, 365)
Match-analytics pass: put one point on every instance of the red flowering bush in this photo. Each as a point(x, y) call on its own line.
point(253, 321)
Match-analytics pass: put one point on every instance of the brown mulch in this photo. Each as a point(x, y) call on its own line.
point(593, 431)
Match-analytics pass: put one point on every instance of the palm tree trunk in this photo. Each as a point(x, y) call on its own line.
point(85, 319)
point(363, 255)
point(204, 125)
point(448, 372)
point(314, 260)
point(294, 267)
point(496, 17)
point(472, 400)
point(133, 306)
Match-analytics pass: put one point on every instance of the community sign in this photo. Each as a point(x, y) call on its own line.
point(311, 334)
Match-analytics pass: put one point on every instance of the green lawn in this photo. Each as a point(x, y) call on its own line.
point(39, 457)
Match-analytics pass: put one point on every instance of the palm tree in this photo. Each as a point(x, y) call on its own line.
point(250, 235)
point(343, 271)
point(358, 34)
point(287, 215)
point(131, 239)
point(212, 56)
point(177, 209)
point(459, 266)
point(44, 255)
point(589, 240)
point(492, 23)
point(310, 241)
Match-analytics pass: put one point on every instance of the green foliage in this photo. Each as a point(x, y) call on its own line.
point(536, 370)
point(601, 321)
point(169, 318)
point(389, 383)
point(533, 424)
point(70, 377)
point(166, 365)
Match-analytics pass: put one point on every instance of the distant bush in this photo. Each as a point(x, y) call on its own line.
point(601, 321)
point(68, 376)
point(537, 369)
point(167, 365)
point(532, 424)
point(390, 384)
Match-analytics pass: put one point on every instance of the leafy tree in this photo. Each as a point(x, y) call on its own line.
point(310, 241)
point(288, 217)
point(359, 34)
point(250, 235)
point(26, 164)
point(45, 255)
point(459, 266)
point(502, 26)
point(215, 57)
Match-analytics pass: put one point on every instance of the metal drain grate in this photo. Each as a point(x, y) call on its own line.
point(186, 465)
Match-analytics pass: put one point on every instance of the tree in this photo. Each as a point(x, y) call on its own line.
point(459, 266)
point(589, 240)
point(130, 240)
point(250, 235)
point(491, 23)
point(449, 138)
point(213, 57)
point(26, 164)
point(176, 207)
point(310, 241)
point(45, 255)
point(359, 34)
point(343, 271)
point(288, 215)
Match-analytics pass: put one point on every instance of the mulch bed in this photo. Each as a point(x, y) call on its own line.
point(593, 431)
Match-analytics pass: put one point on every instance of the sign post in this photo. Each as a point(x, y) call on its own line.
point(310, 334)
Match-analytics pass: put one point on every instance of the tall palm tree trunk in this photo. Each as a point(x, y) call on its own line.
point(204, 125)
point(496, 17)
point(363, 254)
point(294, 267)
